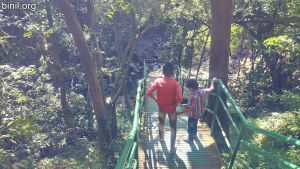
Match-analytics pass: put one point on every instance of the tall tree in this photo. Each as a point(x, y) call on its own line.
point(93, 81)
point(220, 42)
point(91, 16)
point(265, 19)
point(125, 55)
point(53, 50)
point(60, 77)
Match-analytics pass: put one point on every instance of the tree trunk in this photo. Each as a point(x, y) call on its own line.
point(58, 72)
point(274, 63)
point(93, 81)
point(98, 58)
point(49, 13)
point(218, 66)
point(202, 53)
point(125, 60)
point(56, 68)
point(190, 54)
point(180, 46)
point(94, 45)
point(117, 31)
point(60, 75)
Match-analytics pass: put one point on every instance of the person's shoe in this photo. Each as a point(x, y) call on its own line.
point(187, 139)
point(173, 151)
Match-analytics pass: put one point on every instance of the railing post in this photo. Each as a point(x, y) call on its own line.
point(182, 86)
point(177, 74)
point(145, 76)
point(216, 106)
point(236, 147)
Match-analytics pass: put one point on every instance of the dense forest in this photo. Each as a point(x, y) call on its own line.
point(69, 71)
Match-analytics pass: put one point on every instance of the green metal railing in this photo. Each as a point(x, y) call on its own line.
point(129, 153)
point(245, 127)
point(127, 158)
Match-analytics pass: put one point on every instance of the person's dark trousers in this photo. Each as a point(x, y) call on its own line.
point(192, 127)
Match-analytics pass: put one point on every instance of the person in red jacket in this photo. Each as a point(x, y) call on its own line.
point(168, 96)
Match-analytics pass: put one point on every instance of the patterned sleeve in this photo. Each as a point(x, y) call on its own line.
point(203, 99)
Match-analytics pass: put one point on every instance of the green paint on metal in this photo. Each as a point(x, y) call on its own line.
point(216, 106)
point(236, 148)
point(237, 109)
point(245, 124)
point(268, 155)
point(280, 137)
point(131, 156)
point(228, 114)
point(223, 133)
point(132, 135)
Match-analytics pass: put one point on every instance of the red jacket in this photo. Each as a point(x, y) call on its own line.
point(168, 93)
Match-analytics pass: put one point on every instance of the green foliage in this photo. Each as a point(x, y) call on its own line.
point(3, 39)
point(290, 100)
point(121, 5)
point(19, 116)
point(31, 122)
point(15, 132)
point(81, 110)
point(283, 44)
point(81, 155)
point(19, 127)
point(285, 123)
point(236, 37)
point(178, 9)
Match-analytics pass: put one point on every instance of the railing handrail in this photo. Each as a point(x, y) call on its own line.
point(251, 127)
point(133, 133)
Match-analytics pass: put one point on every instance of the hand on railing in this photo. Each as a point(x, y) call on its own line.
point(214, 79)
point(212, 84)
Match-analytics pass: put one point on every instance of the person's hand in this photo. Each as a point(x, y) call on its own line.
point(178, 113)
point(212, 86)
point(214, 79)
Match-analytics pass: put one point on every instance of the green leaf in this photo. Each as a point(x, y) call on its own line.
point(18, 122)
point(27, 35)
point(5, 136)
point(110, 14)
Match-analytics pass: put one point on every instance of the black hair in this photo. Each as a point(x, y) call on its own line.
point(191, 83)
point(168, 69)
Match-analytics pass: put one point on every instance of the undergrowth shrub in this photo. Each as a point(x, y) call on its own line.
point(291, 100)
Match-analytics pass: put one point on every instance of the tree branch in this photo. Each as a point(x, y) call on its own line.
point(3, 33)
point(293, 21)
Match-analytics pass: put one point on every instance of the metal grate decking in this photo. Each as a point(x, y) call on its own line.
point(201, 154)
